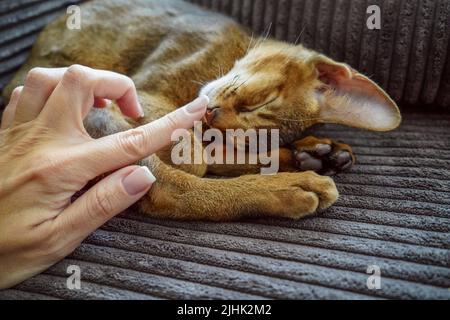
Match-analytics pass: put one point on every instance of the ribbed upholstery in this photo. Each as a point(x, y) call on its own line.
point(394, 212)
point(20, 23)
point(394, 208)
point(409, 55)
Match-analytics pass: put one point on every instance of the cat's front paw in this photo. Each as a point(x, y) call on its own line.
point(296, 195)
point(323, 156)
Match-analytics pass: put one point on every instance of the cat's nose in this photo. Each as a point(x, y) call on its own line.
point(211, 113)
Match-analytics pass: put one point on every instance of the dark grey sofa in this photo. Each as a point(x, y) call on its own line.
point(394, 209)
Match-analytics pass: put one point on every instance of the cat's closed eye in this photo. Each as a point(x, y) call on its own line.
point(250, 108)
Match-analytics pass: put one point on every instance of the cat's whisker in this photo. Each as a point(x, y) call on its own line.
point(235, 80)
point(198, 82)
point(221, 73)
point(268, 32)
point(258, 43)
point(249, 43)
point(300, 35)
point(243, 82)
point(264, 36)
point(302, 120)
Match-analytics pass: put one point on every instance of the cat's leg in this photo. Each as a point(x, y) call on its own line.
point(286, 163)
point(322, 155)
point(197, 169)
point(179, 195)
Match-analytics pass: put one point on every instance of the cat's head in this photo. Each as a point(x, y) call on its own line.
point(278, 85)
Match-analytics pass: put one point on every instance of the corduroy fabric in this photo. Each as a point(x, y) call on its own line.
point(20, 23)
point(394, 208)
point(393, 212)
point(409, 56)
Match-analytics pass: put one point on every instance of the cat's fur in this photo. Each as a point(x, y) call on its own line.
point(173, 50)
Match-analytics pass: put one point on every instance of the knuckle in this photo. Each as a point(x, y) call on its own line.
point(35, 76)
point(16, 92)
point(101, 203)
point(75, 74)
point(76, 69)
point(133, 142)
point(171, 121)
point(128, 82)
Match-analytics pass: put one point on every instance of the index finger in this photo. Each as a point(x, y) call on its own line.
point(124, 148)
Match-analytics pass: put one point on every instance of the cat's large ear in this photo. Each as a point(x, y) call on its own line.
point(347, 97)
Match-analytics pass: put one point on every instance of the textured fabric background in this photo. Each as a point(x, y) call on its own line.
point(409, 56)
point(394, 212)
point(20, 23)
point(394, 208)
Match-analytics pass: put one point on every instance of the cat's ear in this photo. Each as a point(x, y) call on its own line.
point(347, 97)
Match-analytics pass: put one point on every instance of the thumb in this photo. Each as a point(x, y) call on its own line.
point(104, 200)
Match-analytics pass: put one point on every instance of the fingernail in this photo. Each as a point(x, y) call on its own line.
point(138, 181)
point(197, 105)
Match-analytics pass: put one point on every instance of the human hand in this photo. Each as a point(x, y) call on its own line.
point(46, 156)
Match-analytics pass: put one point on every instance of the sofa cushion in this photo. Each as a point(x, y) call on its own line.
point(409, 56)
point(394, 208)
point(393, 213)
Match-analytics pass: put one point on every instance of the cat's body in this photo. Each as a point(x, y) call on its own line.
point(170, 49)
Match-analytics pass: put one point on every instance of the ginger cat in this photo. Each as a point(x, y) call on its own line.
point(173, 51)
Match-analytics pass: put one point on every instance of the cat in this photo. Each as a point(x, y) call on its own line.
point(175, 51)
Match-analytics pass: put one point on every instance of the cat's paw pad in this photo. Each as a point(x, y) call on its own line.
point(324, 157)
